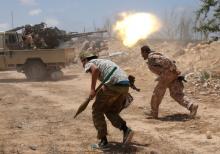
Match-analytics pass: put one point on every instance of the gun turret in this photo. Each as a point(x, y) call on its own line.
point(37, 28)
point(54, 36)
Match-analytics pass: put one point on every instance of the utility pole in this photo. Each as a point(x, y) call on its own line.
point(12, 19)
point(94, 25)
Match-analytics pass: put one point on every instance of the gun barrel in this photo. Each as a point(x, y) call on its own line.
point(15, 29)
point(85, 34)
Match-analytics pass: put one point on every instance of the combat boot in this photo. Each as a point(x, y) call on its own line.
point(193, 110)
point(127, 135)
point(151, 114)
point(103, 144)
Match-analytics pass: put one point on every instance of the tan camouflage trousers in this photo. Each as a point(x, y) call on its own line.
point(168, 80)
point(109, 102)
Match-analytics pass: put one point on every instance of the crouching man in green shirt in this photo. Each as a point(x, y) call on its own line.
point(110, 100)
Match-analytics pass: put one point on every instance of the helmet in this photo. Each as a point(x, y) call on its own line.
point(27, 26)
point(86, 54)
point(145, 49)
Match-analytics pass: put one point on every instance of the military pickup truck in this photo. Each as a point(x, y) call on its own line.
point(36, 64)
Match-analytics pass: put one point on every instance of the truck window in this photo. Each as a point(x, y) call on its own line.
point(1, 42)
point(12, 39)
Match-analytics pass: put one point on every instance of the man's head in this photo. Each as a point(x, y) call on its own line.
point(145, 50)
point(86, 56)
point(27, 27)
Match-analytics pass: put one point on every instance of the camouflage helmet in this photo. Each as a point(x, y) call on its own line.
point(86, 54)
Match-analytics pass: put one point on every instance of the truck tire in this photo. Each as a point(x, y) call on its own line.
point(56, 75)
point(35, 70)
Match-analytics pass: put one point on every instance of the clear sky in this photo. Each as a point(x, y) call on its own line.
point(74, 15)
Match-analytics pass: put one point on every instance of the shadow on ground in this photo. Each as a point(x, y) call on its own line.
point(11, 80)
point(175, 117)
point(116, 147)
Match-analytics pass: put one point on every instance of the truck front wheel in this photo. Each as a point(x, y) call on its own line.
point(35, 70)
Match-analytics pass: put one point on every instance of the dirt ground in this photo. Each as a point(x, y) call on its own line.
point(37, 118)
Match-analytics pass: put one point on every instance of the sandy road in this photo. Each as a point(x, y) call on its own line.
point(37, 117)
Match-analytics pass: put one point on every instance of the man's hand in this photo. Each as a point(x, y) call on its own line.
point(157, 78)
point(92, 94)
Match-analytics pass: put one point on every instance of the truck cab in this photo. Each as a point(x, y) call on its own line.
point(10, 41)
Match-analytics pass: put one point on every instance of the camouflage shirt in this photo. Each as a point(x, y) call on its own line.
point(105, 66)
point(158, 63)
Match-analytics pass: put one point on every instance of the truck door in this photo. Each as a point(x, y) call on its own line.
point(2, 52)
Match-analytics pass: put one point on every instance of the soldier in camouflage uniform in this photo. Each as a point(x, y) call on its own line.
point(168, 77)
point(110, 99)
point(95, 46)
point(27, 37)
point(39, 42)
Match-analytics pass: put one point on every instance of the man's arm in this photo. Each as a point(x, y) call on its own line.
point(95, 74)
point(165, 62)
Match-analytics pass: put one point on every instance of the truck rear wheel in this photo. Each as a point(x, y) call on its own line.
point(35, 70)
point(56, 75)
